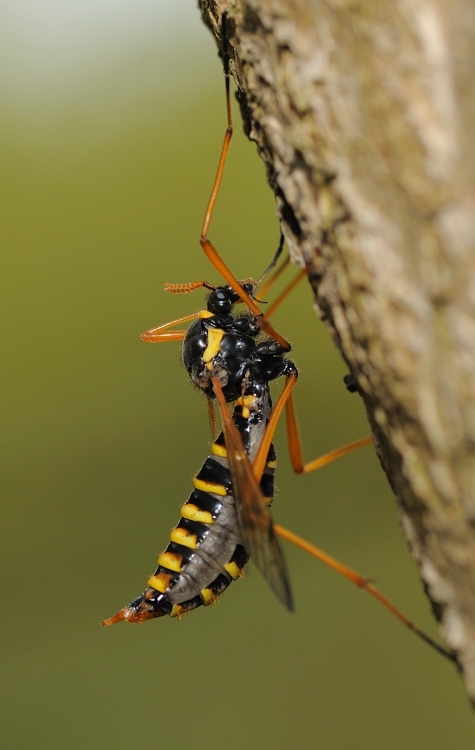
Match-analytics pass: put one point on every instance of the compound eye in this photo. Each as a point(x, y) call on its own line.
point(248, 288)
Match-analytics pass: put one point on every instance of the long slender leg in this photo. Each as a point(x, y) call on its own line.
point(210, 251)
point(311, 549)
point(296, 455)
point(352, 576)
point(359, 581)
point(222, 159)
point(295, 449)
point(289, 288)
point(295, 446)
point(155, 335)
point(220, 266)
point(212, 419)
point(261, 455)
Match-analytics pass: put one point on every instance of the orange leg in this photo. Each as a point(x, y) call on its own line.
point(220, 266)
point(295, 448)
point(289, 288)
point(222, 161)
point(261, 455)
point(212, 419)
point(311, 549)
point(285, 399)
point(361, 582)
point(155, 335)
point(265, 288)
point(210, 251)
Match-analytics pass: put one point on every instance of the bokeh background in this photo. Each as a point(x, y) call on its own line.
point(111, 126)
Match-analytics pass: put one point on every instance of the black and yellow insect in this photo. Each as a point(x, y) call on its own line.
point(226, 519)
point(225, 515)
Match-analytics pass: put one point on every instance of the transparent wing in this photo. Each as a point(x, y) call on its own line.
point(254, 518)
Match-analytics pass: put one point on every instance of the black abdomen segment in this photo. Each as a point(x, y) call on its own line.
point(204, 554)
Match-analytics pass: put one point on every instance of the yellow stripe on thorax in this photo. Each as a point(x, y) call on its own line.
point(205, 314)
point(214, 342)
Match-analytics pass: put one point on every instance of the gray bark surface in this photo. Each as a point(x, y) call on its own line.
point(364, 113)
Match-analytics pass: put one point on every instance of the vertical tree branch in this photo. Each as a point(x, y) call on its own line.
point(364, 114)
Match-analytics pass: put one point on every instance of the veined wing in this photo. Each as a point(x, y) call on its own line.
point(254, 518)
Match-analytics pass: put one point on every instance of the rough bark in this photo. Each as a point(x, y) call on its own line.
point(364, 113)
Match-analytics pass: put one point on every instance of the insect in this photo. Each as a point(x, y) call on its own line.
point(226, 519)
point(208, 548)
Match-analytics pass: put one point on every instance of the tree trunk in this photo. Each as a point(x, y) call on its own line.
point(365, 116)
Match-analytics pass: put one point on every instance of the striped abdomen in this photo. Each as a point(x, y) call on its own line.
point(204, 554)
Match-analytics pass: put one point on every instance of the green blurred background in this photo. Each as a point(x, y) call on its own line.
point(111, 132)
